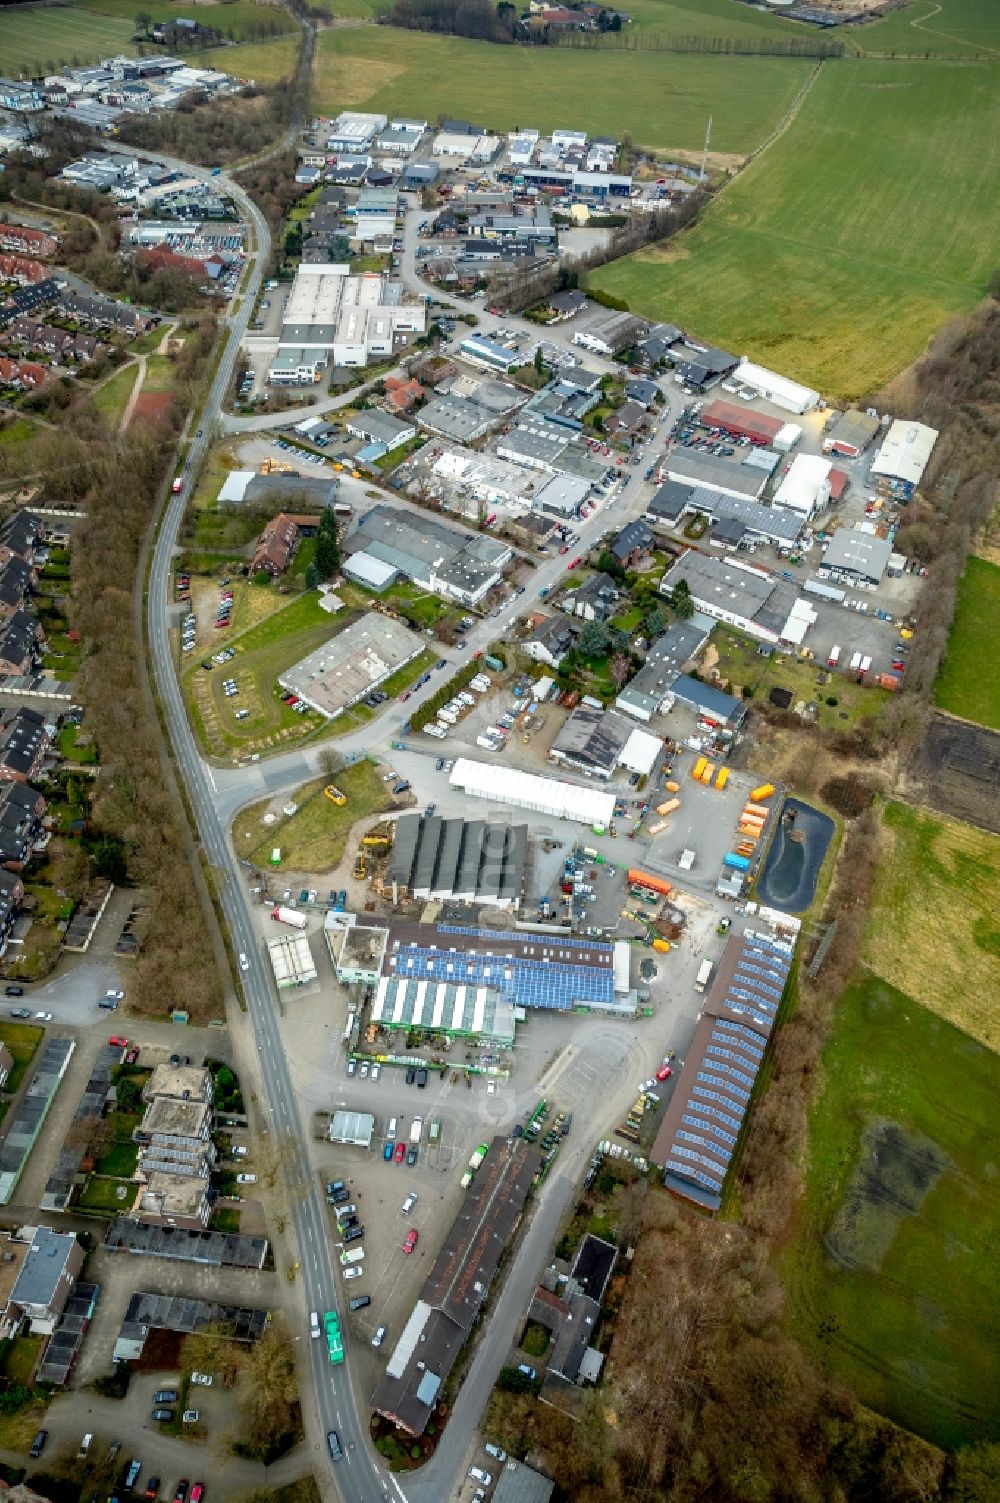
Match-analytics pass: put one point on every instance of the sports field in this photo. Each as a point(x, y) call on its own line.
point(43, 41)
point(660, 99)
point(933, 926)
point(862, 229)
point(890, 1275)
point(952, 28)
point(962, 687)
point(235, 19)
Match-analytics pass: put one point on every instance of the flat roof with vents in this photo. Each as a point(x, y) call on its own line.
point(352, 663)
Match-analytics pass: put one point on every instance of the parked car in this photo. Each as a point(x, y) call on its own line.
point(190, 1416)
point(197, 1492)
point(411, 1155)
point(497, 1452)
point(664, 1072)
point(379, 1336)
point(408, 1204)
point(19, 1012)
point(163, 1416)
point(529, 1372)
point(400, 1152)
point(354, 1272)
point(152, 1489)
point(410, 1240)
point(165, 1396)
point(13, 991)
point(38, 1444)
point(181, 1491)
point(244, 1179)
point(479, 1475)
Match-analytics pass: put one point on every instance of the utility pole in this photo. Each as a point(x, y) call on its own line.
point(704, 155)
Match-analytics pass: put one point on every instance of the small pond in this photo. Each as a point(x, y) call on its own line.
point(788, 880)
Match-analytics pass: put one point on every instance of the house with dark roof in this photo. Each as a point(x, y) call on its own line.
point(571, 1319)
point(594, 600)
point(549, 640)
point(632, 544)
point(47, 1278)
point(24, 744)
point(19, 536)
point(18, 641)
point(21, 811)
point(566, 304)
point(641, 391)
point(704, 367)
point(17, 578)
point(11, 896)
point(627, 423)
point(24, 300)
point(277, 545)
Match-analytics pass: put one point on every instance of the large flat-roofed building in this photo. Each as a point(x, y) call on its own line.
point(749, 598)
point(591, 741)
point(334, 317)
point(463, 566)
point(291, 960)
point(529, 969)
point(700, 1128)
point(806, 487)
point(173, 1200)
point(855, 557)
point(734, 476)
point(489, 354)
point(457, 1287)
point(525, 790)
point(354, 132)
point(539, 444)
point(468, 860)
point(744, 422)
point(351, 664)
point(903, 457)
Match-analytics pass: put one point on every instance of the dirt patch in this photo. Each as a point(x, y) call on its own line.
point(956, 770)
point(896, 1172)
point(153, 406)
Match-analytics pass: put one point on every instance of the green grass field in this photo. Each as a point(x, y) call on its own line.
point(954, 28)
point(22, 1039)
point(933, 928)
point(962, 687)
point(314, 838)
point(661, 99)
point(741, 664)
point(890, 1276)
point(235, 19)
point(862, 229)
point(264, 62)
point(111, 399)
point(34, 41)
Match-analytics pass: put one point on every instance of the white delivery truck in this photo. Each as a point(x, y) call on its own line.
point(416, 1129)
point(704, 976)
point(289, 916)
point(352, 1255)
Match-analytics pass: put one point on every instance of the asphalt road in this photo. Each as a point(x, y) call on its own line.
point(215, 794)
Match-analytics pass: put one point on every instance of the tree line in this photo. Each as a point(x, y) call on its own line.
point(614, 40)
point(477, 19)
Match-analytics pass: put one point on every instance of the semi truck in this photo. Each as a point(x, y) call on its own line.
point(289, 916)
point(704, 976)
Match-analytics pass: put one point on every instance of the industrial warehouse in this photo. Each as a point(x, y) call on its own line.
point(351, 664)
point(468, 860)
point(389, 542)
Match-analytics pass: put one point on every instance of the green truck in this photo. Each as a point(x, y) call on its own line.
point(334, 1339)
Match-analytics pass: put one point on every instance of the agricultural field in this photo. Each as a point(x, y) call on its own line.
point(660, 99)
point(314, 838)
point(933, 927)
point(952, 28)
point(35, 41)
point(890, 1273)
point(962, 687)
point(264, 62)
point(236, 19)
point(837, 253)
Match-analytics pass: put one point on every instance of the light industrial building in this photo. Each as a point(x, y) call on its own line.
point(351, 664)
point(334, 317)
point(751, 599)
point(479, 350)
point(353, 1128)
point(903, 457)
point(743, 422)
point(777, 390)
point(735, 477)
point(539, 444)
point(736, 518)
point(353, 132)
point(591, 741)
point(702, 1124)
point(666, 659)
point(856, 557)
point(466, 481)
point(806, 487)
point(479, 1013)
point(463, 566)
point(467, 860)
point(850, 433)
point(291, 960)
point(551, 796)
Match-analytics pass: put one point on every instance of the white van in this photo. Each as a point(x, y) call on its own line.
point(390, 1131)
point(314, 1324)
point(354, 1255)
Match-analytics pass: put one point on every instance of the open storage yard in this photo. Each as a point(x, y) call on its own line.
point(852, 238)
point(962, 686)
point(933, 929)
point(890, 1274)
point(662, 100)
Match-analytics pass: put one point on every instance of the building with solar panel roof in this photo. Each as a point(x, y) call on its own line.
point(701, 1126)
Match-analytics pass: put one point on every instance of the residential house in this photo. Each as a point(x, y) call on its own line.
point(29, 299)
point(177, 1200)
point(277, 545)
point(627, 423)
point(633, 544)
point(26, 374)
point(19, 536)
point(6, 1065)
point(179, 1082)
point(11, 896)
point(23, 270)
point(18, 640)
point(47, 1278)
point(21, 810)
point(566, 304)
point(24, 744)
point(175, 1137)
point(402, 394)
point(26, 241)
point(703, 367)
point(595, 599)
point(549, 640)
point(642, 391)
point(571, 1319)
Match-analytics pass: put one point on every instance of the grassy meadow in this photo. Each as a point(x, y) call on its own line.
point(951, 28)
point(662, 100)
point(962, 687)
point(36, 41)
point(314, 838)
point(890, 1275)
point(837, 253)
point(933, 927)
point(264, 62)
point(235, 19)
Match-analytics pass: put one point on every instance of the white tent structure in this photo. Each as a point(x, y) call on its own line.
point(552, 796)
point(777, 390)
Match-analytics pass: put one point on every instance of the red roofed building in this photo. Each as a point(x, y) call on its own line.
point(277, 544)
point(28, 373)
point(741, 421)
point(837, 481)
point(162, 258)
point(401, 394)
point(22, 270)
point(29, 242)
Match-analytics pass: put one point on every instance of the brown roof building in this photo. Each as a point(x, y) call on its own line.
point(20, 238)
point(701, 1126)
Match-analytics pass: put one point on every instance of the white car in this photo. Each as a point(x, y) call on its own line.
point(408, 1204)
point(354, 1272)
point(376, 1071)
point(246, 1179)
point(203, 1379)
point(479, 1475)
point(647, 1085)
point(244, 963)
point(491, 1088)
point(43, 1017)
point(118, 996)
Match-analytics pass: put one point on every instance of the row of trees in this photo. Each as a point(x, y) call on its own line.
point(616, 38)
point(478, 19)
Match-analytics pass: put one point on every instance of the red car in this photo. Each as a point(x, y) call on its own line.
point(664, 1072)
point(400, 1153)
point(404, 696)
point(117, 1043)
point(899, 665)
point(410, 1240)
point(197, 1493)
point(577, 560)
point(564, 548)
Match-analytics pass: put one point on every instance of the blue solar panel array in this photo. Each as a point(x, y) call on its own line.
point(525, 981)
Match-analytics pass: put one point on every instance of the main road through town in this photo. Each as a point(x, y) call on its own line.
point(215, 793)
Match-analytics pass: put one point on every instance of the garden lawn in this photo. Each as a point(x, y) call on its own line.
point(837, 253)
point(933, 928)
point(660, 99)
point(111, 399)
point(314, 838)
point(22, 1039)
point(963, 687)
point(102, 1195)
point(17, 431)
point(913, 1326)
point(746, 673)
point(35, 40)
